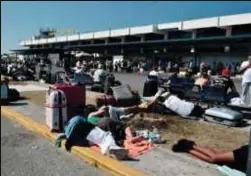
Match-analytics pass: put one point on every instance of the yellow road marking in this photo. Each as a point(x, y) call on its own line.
point(90, 156)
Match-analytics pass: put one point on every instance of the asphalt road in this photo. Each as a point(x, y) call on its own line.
point(136, 81)
point(23, 153)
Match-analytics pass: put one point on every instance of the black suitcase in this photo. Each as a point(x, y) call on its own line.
point(13, 95)
point(150, 88)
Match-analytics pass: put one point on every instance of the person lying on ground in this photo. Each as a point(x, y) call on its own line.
point(79, 132)
point(225, 81)
point(181, 107)
point(118, 113)
point(236, 159)
point(119, 130)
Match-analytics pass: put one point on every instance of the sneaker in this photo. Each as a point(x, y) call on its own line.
point(183, 145)
point(117, 152)
point(159, 93)
point(186, 143)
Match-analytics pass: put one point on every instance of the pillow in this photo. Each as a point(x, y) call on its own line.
point(122, 92)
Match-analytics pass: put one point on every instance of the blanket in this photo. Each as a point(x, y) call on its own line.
point(136, 146)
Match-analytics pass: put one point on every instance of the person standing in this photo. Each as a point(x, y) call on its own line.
point(246, 81)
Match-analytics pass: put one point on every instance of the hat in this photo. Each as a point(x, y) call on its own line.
point(225, 72)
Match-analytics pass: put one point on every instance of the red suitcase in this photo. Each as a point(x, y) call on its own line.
point(105, 100)
point(76, 98)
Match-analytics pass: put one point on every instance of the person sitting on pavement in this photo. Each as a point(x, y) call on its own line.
point(202, 80)
point(155, 73)
point(174, 76)
point(225, 81)
point(237, 158)
point(79, 67)
point(99, 73)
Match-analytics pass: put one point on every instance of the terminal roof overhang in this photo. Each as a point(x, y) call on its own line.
point(222, 22)
point(174, 42)
point(38, 51)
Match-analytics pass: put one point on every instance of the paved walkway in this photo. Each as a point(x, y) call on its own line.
point(23, 153)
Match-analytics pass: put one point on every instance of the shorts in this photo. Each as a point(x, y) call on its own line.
point(116, 113)
point(197, 111)
point(241, 157)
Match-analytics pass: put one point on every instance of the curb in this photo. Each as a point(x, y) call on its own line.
point(90, 156)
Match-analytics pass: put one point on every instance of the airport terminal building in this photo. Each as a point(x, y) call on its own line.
point(225, 38)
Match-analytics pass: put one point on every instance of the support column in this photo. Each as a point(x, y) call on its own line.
point(123, 40)
point(166, 36)
point(194, 34)
point(106, 41)
point(228, 31)
point(122, 51)
point(142, 38)
point(141, 50)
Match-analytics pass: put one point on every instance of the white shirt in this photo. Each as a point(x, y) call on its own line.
point(97, 74)
point(247, 74)
point(179, 106)
point(154, 73)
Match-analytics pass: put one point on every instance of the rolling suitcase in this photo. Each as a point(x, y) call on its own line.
point(223, 116)
point(124, 96)
point(56, 110)
point(75, 96)
point(13, 95)
point(150, 88)
point(105, 100)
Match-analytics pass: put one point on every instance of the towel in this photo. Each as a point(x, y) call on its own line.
point(226, 171)
point(138, 146)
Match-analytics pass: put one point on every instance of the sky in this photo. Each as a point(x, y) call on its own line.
point(20, 20)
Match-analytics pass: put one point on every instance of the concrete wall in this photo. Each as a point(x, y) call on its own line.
point(120, 32)
point(73, 37)
point(103, 34)
point(86, 36)
point(235, 19)
point(200, 23)
point(141, 30)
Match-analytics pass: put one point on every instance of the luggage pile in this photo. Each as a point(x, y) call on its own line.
point(63, 102)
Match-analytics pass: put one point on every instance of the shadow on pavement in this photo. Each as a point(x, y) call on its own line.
point(15, 104)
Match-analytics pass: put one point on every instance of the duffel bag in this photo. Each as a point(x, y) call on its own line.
point(105, 100)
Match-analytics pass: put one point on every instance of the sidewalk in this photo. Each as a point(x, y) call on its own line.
point(158, 162)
